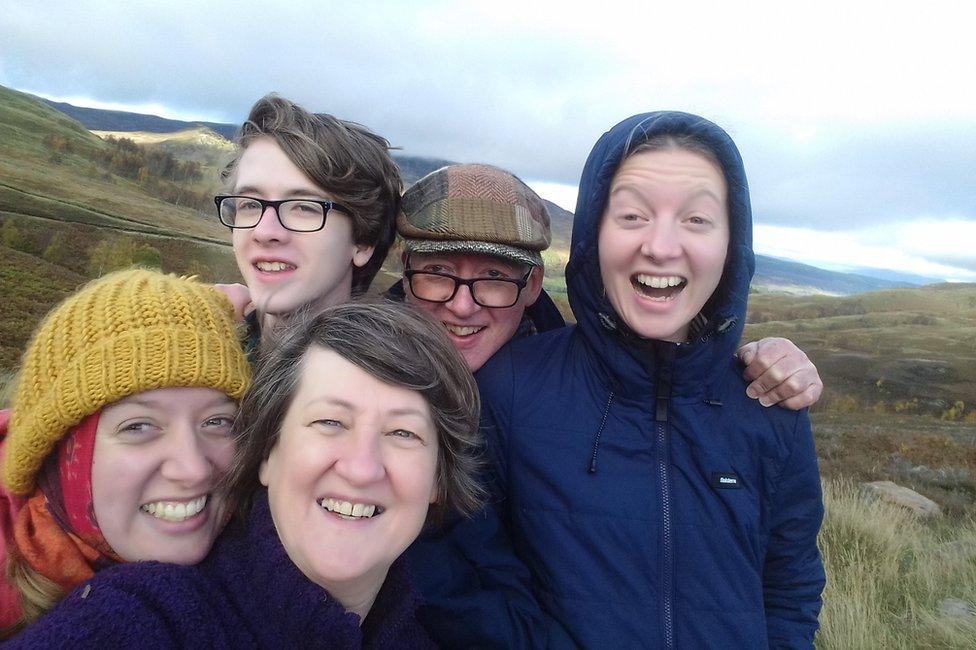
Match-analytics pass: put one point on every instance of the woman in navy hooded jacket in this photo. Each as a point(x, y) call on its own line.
point(649, 501)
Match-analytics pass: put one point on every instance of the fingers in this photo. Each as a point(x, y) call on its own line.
point(761, 355)
point(803, 400)
point(777, 387)
point(239, 296)
point(747, 353)
point(782, 374)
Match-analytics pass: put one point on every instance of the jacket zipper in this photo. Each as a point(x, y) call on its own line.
point(661, 414)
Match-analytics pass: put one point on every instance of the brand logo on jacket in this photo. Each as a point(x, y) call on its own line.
point(725, 481)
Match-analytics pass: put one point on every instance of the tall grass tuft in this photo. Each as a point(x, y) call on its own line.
point(888, 572)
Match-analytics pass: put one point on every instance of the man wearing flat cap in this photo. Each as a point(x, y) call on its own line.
point(473, 237)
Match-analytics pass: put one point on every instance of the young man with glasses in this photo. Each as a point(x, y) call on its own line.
point(311, 200)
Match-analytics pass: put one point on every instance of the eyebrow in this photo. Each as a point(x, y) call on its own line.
point(296, 192)
point(635, 189)
point(338, 401)
point(146, 402)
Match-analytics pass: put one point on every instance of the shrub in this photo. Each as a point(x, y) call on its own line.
point(58, 250)
point(111, 254)
point(11, 237)
point(148, 256)
point(955, 412)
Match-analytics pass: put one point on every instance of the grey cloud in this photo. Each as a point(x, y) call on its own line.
point(873, 175)
point(438, 82)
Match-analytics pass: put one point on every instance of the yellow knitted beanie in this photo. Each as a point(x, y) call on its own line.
point(125, 333)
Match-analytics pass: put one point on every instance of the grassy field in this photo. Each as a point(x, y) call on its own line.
point(889, 576)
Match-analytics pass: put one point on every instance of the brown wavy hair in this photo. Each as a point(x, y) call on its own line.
point(346, 159)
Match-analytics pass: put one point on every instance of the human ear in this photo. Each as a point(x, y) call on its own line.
point(263, 472)
point(534, 286)
point(361, 254)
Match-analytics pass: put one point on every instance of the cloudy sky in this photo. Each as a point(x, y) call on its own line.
point(857, 121)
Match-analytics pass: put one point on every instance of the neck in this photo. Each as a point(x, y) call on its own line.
point(357, 596)
point(340, 294)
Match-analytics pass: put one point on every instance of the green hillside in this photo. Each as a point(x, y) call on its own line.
point(49, 168)
point(70, 210)
point(900, 350)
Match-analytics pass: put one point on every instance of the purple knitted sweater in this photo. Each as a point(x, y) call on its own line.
point(246, 594)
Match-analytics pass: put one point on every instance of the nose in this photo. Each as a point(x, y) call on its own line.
point(661, 240)
point(269, 228)
point(462, 304)
point(360, 462)
point(188, 461)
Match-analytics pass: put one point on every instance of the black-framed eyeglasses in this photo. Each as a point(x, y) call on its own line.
point(298, 215)
point(434, 286)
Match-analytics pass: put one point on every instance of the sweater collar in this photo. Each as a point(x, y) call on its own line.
point(269, 581)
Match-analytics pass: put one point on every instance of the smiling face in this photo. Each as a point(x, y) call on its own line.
point(477, 332)
point(351, 476)
point(283, 269)
point(158, 455)
point(663, 240)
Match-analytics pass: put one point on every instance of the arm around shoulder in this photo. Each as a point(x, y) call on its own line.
point(99, 614)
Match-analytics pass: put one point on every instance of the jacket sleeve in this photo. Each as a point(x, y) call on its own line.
point(476, 591)
point(793, 574)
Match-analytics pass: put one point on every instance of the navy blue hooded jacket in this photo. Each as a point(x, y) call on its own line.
point(648, 501)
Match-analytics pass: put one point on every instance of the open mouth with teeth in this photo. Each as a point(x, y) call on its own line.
point(175, 511)
point(658, 287)
point(463, 330)
point(350, 510)
point(273, 267)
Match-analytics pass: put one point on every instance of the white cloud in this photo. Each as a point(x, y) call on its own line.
point(898, 249)
point(559, 193)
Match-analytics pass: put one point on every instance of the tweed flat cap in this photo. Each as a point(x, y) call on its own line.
point(474, 209)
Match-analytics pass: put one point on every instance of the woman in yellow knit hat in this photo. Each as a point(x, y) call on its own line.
point(118, 432)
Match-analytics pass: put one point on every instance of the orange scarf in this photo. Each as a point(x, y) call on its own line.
point(55, 531)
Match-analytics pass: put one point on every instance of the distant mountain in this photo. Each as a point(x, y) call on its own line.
point(775, 274)
point(894, 276)
point(96, 119)
point(772, 274)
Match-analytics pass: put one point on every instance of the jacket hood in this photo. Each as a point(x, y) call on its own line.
point(726, 310)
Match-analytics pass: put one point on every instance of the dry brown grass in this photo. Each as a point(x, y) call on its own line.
point(887, 574)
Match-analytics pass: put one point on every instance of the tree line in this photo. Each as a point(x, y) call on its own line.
point(158, 172)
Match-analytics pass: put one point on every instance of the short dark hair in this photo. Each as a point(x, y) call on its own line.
point(393, 342)
point(682, 141)
point(346, 159)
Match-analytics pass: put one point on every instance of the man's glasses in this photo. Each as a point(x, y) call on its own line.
point(298, 215)
point(434, 286)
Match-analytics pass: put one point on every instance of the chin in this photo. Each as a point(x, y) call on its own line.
point(660, 332)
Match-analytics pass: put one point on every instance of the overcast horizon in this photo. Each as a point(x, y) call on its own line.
point(856, 123)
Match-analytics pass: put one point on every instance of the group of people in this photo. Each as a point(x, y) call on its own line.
point(286, 463)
